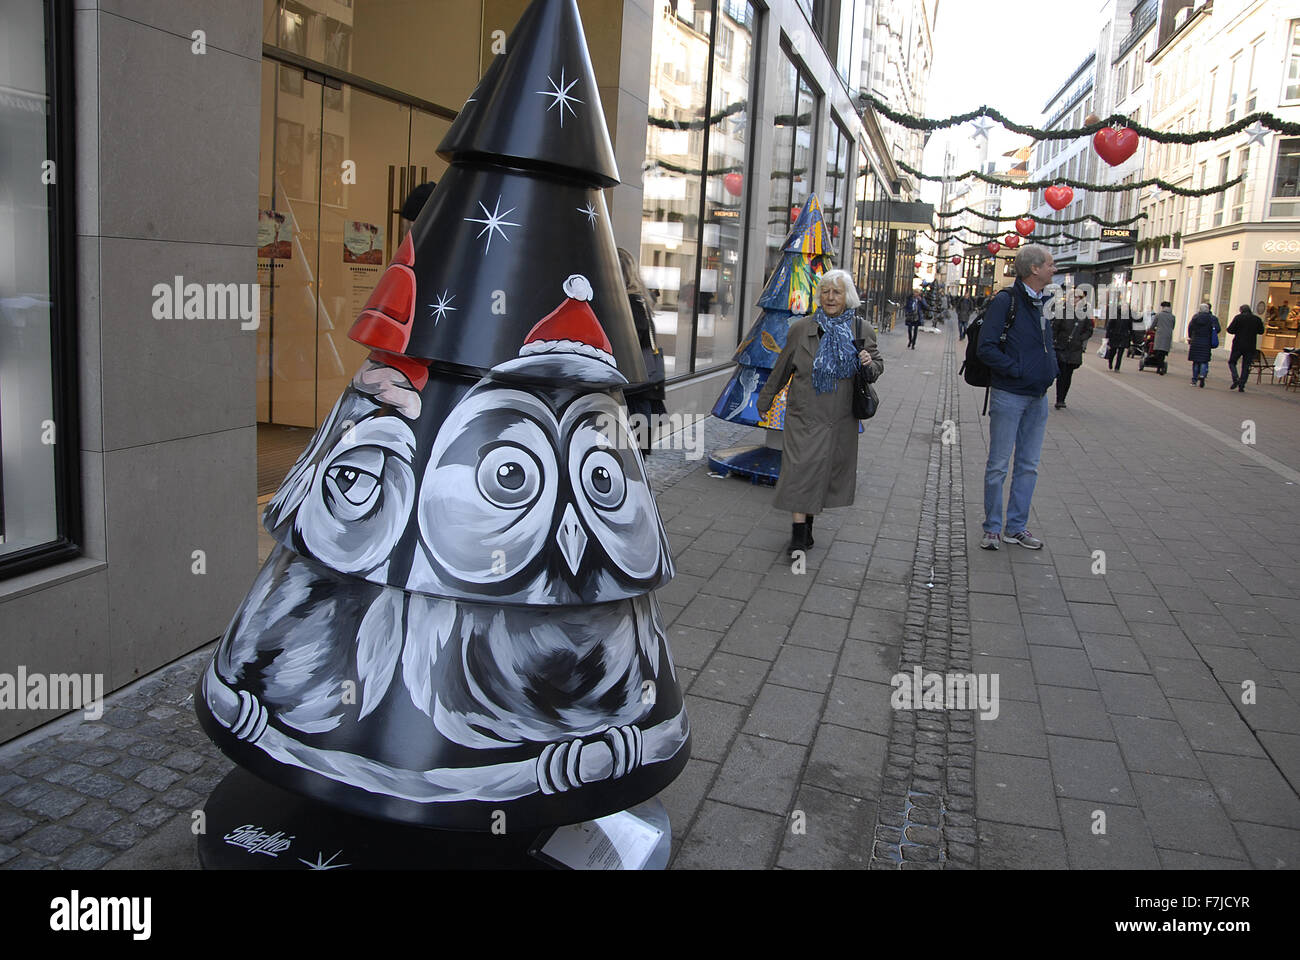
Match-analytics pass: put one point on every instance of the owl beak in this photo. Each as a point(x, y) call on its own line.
point(572, 539)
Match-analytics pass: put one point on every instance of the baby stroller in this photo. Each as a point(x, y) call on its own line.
point(1151, 357)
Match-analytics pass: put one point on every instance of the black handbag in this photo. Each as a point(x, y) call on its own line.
point(865, 400)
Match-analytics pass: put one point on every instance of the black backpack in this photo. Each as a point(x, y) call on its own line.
point(975, 371)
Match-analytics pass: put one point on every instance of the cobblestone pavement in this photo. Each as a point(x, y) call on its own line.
point(1120, 691)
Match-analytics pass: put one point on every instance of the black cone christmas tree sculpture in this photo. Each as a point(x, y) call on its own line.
point(458, 622)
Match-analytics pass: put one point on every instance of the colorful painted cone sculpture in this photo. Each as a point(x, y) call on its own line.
point(790, 293)
point(459, 618)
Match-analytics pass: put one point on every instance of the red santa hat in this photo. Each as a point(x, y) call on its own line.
point(571, 327)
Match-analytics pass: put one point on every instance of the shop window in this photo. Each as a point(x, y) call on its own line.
point(39, 504)
point(1220, 198)
point(696, 185)
point(1284, 203)
point(835, 193)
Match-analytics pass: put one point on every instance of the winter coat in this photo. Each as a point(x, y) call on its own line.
point(914, 312)
point(1245, 328)
point(1164, 331)
point(1198, 337)
point(647, 397)
point(1119, 330)
point(1028, 366)
point(819, 458)
point(1070, 336)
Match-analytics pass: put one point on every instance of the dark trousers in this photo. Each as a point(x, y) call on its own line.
point(1246, 360)
point(1115, 356)
point(912, 330)
point(1063, 379)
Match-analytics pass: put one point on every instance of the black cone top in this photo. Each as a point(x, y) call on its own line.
point(537, 105)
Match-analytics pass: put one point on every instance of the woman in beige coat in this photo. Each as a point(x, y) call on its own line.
point(820, 447)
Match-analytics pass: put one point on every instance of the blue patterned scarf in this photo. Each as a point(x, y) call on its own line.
point(836, 356)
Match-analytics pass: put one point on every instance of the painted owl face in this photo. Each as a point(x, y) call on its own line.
point(536, 496)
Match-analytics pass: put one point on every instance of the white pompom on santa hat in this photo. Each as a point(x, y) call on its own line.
point(571, 327)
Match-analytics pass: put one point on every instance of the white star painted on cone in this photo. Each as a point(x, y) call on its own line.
point(324, 865)
point(589, 211)
point(1257, 132)
point(495, 221)
point(559, 94)
point(443, 307)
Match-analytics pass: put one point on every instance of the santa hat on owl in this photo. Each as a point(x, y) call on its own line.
point(567, 345)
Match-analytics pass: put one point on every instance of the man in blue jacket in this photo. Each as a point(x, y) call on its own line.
point(1021, 372)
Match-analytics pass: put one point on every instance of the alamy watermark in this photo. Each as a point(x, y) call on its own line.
point(179, 300)
point(668, 431)
point(946, 691)
point(53, 691)
point(1083, 301)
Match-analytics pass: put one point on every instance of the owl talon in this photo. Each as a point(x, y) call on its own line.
point(625, 744)
point(557, 767)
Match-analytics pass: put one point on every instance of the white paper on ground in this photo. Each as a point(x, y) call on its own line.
point(621, 841)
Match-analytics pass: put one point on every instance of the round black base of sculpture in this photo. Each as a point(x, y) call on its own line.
point(253, 825)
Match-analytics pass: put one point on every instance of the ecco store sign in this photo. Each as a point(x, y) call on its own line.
point(1282, 246)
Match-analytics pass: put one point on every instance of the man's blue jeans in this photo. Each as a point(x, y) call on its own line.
point(1200, 370)
point(1019, 422)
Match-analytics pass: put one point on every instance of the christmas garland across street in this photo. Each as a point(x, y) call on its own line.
point(1078, 184)
point(1055, 222)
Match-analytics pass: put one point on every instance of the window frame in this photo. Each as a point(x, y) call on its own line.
point(60, 131)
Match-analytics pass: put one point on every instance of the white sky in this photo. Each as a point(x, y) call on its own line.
point(1009, 56)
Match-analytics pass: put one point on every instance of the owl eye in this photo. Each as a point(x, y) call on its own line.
point(603, 480)
point(509, 476)
point(357, 486)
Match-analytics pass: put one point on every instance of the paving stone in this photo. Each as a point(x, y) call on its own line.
point(1156, 746)
point(759, 774)
point(691, 646)
point(1133, 695)
point(726, 837)
point(1015, 677)
point(860, 705)
point(1061, 667)
point(152, 815)
point(734, 584)
point(713, 725)
point(1075, 713)
point(1270, 847)
point(55, 805)
point(99, 757)
point(682, 798)
point(1143, 609)
point(747, 638)
point(783, 579)
point(1215, 727)
point(10, 780)
point(36, 766)
point(1017, 729)
point(995, 608)
point(67, 774)
point(52, 839)
point(13, 825)
point(122, 835)
point(700, 563)
point(1011, 846)
point(784, 713)
point(868, 661)
point(1250, 788)
point(986, 582)
point(93, 818)
point(819, 631)
point(1185, 680)
point(804, 668)
point(1015, 790)
point(89, 857)
point(999, 639)
point(681, 590)
point(1098, 618)
point(148, 750)
point(1163, 641)
point(157, 778)
point(1181, 860)
point(130, 798)
point(99, 786)
point(1090, 589)
point(7, 853)
point(846, 760)
point(1185, 814)
point(85, 733)
point(1274, 709)
point(877, 625)
point(833, 833)
point(1051, 631)
point(731, 678)
point(1284, 750)
point(1089, 770)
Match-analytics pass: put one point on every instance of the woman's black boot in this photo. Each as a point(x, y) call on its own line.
point(798, 538)
point(808, 523)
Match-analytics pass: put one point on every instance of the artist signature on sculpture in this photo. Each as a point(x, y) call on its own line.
point(256, 840)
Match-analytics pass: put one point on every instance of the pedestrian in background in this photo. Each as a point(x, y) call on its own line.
point(1071, 331)
point(819, 458)
point(1245, 328)
point(1020, 376)
point(1119, 329)
point(913, 314)
point(1163, 341)
point(1202, 335)
point(964, 307)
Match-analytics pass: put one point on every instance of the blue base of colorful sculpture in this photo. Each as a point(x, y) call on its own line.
point(760, 464)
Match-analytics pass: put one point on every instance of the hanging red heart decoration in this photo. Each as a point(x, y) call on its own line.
point(993, 246)
point(1025, 226)
point(956, 261)
point(734, 184)
point(1012, 241)
point(1115, 145)
point(918, 264)
point(1058, 197)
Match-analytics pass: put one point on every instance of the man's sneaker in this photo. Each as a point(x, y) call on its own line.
point(1026, 539)
point(991, 541)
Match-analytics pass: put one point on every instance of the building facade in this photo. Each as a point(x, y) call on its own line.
point(266, 149)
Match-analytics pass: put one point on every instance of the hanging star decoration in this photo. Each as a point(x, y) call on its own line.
point(320, 864)
point(495, 221)
point(559, 94)
point(443, 307)
point(589, 211)
point(1257, 132)
point(982, 127)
